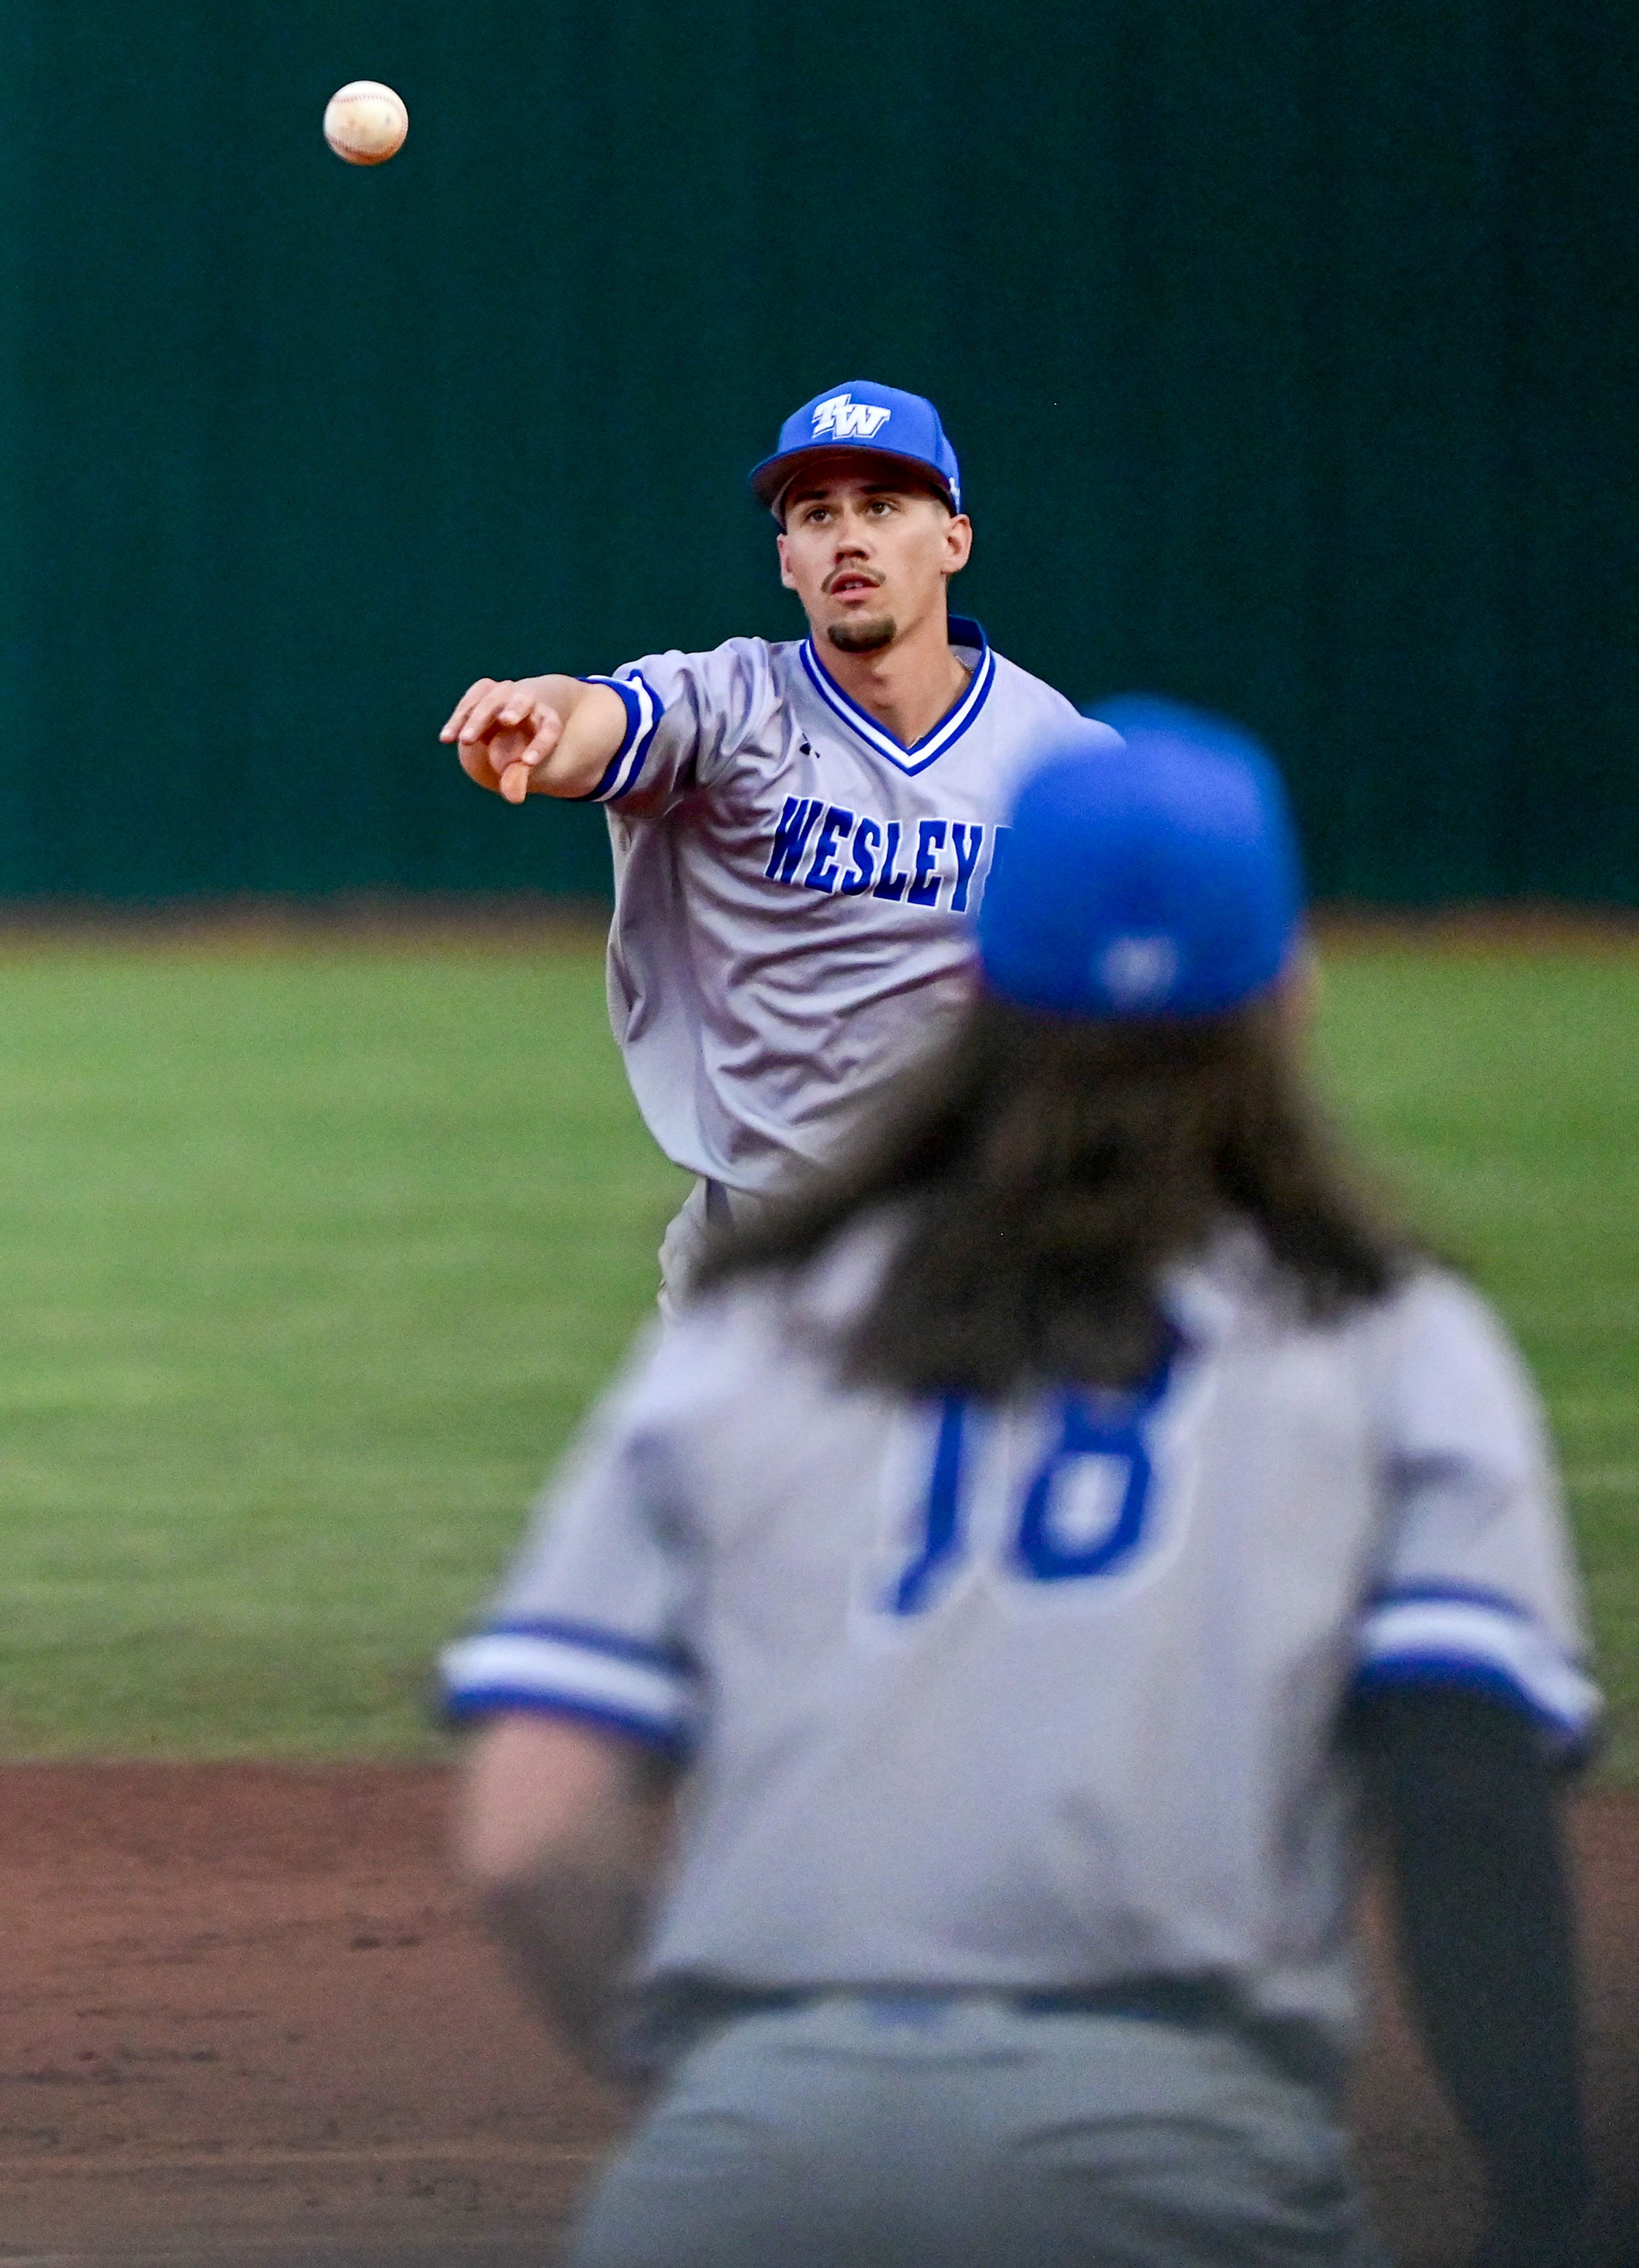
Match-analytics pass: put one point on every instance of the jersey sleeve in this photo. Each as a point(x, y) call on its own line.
point(590, 1621)
point(686, 716)
point(1477, 1586)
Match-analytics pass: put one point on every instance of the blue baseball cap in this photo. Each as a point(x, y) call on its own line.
point(862, 415)
point(1161, 879)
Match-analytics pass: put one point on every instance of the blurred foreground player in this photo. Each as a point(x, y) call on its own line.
point(800, 831)
point(1028, 1554)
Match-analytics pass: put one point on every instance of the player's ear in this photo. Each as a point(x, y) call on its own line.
point(958, 542)
point(786, 575)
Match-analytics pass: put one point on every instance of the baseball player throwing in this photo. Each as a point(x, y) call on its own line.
point(1026, 1552)
point(800, 831)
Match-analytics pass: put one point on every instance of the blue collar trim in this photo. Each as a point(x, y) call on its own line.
point(950, 727)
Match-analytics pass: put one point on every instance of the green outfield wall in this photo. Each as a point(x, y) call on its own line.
point(1291, 352)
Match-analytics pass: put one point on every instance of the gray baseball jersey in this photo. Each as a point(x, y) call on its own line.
point(793, 889)
point(1045, 1694)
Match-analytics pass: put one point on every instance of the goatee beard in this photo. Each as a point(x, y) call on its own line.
point(863, 638)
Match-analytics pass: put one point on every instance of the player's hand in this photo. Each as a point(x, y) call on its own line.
point(504, 731)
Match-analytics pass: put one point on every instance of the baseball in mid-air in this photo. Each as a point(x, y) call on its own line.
point(366, 123)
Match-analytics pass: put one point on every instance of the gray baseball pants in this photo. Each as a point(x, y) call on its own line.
point(854, 2131)
point(706, 1208)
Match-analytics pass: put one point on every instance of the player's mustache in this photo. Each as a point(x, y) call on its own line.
point(860, 574)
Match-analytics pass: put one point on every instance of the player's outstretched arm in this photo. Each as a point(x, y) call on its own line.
point(548, 735)
point(559, 1826)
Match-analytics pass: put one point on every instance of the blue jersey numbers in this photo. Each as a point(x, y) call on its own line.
point(1084, 1515)
point(941, 1543)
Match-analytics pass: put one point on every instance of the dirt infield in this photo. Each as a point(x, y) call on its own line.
point(247, 2019)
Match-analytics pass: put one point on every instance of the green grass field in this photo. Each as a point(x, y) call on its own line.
point(311, 1252)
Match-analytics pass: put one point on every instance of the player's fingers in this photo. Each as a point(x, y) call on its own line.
point(485, 715)
point(549, 731)
point(473, 703)
point(481, 719)
point(523, 736)
point(464, 707)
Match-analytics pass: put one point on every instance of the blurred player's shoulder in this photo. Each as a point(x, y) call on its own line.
point(1430, 1362)
point(1449, 1368)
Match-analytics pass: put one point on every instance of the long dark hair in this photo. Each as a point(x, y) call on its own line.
point(1048, 1168)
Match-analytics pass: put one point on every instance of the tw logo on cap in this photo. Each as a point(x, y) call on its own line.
point(849, 419)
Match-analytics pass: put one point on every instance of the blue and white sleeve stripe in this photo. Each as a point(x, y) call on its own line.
point(1432, 1634)
point(565, 1669)
point(643, 711)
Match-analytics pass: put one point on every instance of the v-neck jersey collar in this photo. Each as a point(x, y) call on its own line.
point(951, 726)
